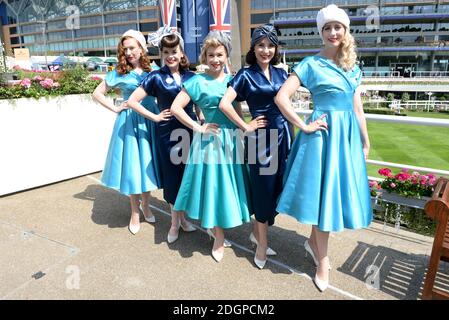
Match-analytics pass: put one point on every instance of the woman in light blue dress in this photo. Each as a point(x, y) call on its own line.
point(326, 182)
point(131, 166)
point(214, 188)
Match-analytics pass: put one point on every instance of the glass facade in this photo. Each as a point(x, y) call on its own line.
point(409, 32)
point(43, 27)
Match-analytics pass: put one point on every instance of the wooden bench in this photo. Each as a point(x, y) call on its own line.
point(438, 209)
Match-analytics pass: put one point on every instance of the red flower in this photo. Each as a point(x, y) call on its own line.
point(385, 172)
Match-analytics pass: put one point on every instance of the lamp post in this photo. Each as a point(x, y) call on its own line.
point(430, 95)
point(44, 36)
point(3, 60)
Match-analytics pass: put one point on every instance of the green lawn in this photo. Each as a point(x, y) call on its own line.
point(422, 146)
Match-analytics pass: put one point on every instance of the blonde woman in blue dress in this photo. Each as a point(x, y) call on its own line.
point(326, 183)
point(131, 166)
point(214, 188)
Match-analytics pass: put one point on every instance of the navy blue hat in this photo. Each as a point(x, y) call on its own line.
point(267, 30)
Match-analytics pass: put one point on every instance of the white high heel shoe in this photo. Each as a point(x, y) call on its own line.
point(321, 284)
point(133, 228)
point(259, 263)
point(218, 256)
point(226, 243)
point(151, 219)
point(270, 252)
point(310, 251)
point(188, 227)
point(172, 238)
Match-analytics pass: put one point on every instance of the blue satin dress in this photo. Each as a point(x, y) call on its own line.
point(252, 86)
point(163, 86)
point(215, 186)
point(326, 182)
point(131, 163)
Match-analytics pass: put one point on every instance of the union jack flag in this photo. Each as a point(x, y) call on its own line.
point(168, 13)
point(220, 15)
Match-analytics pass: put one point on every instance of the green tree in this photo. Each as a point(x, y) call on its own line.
point(405, 97)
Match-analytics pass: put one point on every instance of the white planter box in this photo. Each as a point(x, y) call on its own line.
point(401, 200)
point(51, 139)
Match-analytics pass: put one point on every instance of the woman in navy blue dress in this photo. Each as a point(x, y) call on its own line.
point(165, 84)
point(268, 134)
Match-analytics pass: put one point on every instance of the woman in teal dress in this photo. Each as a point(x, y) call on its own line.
point(131, 166)
point(326, 183)
point(214, 188)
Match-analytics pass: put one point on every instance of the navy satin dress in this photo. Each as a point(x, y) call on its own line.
point(266, 156)
point(162, 85)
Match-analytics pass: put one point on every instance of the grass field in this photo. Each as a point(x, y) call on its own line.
point(422, 146)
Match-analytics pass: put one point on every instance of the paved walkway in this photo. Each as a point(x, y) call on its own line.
point(70, 241)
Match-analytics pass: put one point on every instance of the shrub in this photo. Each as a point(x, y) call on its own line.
point(45, 84)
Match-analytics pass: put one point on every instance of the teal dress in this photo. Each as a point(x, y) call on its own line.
point(325, 182)
point(131, 163)
point(214, 188)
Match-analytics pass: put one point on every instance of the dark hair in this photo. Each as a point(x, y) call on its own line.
point(251, 57)
point(172, 41)
point(123, 66)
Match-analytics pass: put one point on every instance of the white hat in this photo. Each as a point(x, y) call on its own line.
point(136, 35)
point(331, 13)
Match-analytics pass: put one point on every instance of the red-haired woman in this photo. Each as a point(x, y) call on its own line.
point(131, 166)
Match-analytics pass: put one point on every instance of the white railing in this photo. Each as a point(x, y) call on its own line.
point(381, 74)
point(429, 74)
point(387, 118)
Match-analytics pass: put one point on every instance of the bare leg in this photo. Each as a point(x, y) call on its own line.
point(174, 221)
point(146, 205)
point(255, 230)
point(261, 251)
point(135, 212)
point(219, 240)
point(322, 241)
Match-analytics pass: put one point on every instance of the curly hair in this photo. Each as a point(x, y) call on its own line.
point(252, 59)
point(210, 43)
point(347, 55)
point(123, 66)
point(172, 41)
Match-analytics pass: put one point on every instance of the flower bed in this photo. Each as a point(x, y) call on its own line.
point(403, 196)
point(33, 84)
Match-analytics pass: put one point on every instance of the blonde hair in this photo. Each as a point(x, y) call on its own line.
point(210, 43)
point(347, 56)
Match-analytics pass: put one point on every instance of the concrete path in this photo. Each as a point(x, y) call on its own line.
point(70, 241)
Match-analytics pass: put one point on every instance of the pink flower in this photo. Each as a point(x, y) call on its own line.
point(423, 179)
point(393, 185)
point(385, 172)
point(96, 78)
point(403, 176)
point(38, 78)
point(56, 85)
point(47, 83)
point(26, 83)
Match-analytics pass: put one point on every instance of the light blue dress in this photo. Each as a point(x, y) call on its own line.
point(325, 182)
point(215, 185)
point(131, 163)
